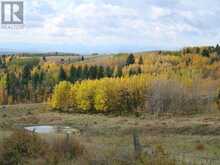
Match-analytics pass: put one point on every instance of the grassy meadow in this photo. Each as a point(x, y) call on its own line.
point(192, 138)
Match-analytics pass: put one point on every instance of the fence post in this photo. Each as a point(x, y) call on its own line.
point(137, 145)
point(67, 137)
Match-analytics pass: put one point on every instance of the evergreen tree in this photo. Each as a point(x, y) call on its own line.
point(26, 74)
point(85, 72)
point(35, 80)
point(140, 61)
point(130, 59)
point(72, 74)
point(13, 84)
point(96, 71)
point(131, 72)
point(217, 49)
point(211, 49)
point(90, 73)
point(62, 74)
point(1, 64)
point(7, 82)
point(108, 72)
point(79, 73)
point(41, 76)
point(139, 71)
point(93, 72)
point(205, 53)
point(100, 73)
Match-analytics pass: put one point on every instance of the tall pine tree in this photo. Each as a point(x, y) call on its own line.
point(108, 72)
point(79, 73)
point(85, 72)
point(217, 49)
point(140, 61)
point(205, 53)
point(93, 72)
point(26, 74)
point(130, 59)
point(100, 73)
point(62, 74)
point(72, 74)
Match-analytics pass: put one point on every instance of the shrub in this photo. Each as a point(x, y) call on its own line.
point(159, 157)
point(20, 146)
point(67, 148)
point(165, 96)
point(200, 147)
point(27, 148)
point(172, 96)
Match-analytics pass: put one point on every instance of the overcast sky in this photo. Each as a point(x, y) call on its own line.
point(87, 26)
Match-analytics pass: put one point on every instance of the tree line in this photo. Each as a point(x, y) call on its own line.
point(154, 94)
point(30, 81)
point(105, 95)
point(204, 51)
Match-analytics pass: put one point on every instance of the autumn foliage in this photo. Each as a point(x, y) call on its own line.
point(115, 83)
point(105, 95)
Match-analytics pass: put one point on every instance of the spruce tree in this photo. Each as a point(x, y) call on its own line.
point(140, 61)
point(93, 72)
point(130, 59)
point(108, 72)
point(62, 74)
point(217, 49)
point(13, 83)
point(139, 71)
point(41, 76)
point(131, 72)
point(35, 80)
point(79, 73)
point(100, 73)
point(205, 53)
point(72, 74)
point(85, 72)
point(26, 74)
point(1, 64)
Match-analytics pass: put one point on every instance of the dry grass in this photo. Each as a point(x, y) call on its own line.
point(106, 138)
point(24, 147)
point(21, 146)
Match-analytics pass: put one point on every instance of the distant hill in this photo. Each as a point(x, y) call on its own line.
point(7, 53)
point(37, 54)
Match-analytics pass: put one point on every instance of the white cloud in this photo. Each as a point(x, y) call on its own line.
point(146, 23)
point(157, 12)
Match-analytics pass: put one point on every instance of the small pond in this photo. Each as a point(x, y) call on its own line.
point(47, 129)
